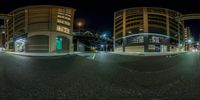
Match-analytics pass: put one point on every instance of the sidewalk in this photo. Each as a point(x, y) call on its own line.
point(148, 53)
point(41, 54)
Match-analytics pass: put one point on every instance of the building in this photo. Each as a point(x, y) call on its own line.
point(147, 29)
point(2, 37)
point(1, 40)
point(199, 38)
point(84, 41)
point(187, 38)
point(40, 28)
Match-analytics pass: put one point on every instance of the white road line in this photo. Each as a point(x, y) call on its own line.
point(94, 56)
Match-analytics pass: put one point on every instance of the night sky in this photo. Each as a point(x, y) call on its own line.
point(98, 14)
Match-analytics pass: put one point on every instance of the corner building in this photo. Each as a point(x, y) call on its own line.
point(147, 29)
point(41, 28)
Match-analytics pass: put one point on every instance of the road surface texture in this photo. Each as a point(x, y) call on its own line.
point(103, 76)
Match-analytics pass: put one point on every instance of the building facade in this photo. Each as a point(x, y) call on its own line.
point(1, 36)
point(187, 38)
point(1, 40)
point(42, 28)
point(147, 29)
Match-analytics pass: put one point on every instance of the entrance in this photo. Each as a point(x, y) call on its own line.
point(59, 42)
point(62, 44)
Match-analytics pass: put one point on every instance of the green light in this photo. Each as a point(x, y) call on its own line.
point(58, 43)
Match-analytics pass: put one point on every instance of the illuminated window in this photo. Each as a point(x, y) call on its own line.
point(64, 17)
point(155, 39)
point(63, 29)
point(137, 39)
point(61, 16)
point(69, 11)
point(64, 14)
point(68, 15)
point(60, 13)
point(60, 10)
point(63, 22)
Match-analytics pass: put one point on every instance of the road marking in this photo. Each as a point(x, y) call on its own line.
point(94, 56)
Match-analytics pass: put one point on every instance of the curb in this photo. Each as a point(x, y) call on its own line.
point(148, 54)
point(41, 54)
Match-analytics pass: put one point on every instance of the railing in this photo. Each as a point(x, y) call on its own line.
point(5, 16)
point(188, 17)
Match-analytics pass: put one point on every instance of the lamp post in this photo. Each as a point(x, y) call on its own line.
point(189, 43)
point(79, 24)
point(2, 35)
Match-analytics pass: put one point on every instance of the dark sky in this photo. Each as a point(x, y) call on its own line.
point(98, 14)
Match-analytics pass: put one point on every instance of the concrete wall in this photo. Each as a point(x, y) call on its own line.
point(135, 49)
point(1, 40)
point(52, 39)
point(119, 49)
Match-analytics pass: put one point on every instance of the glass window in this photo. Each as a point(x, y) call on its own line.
point(69, 11)
point(63, 17)
point(135, 40)
point(59, 42)
point(154, 39)
point(63, 22)
point(63, 29)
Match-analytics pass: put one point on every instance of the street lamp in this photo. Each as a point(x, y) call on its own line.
point(79, 24)
point(189, 44)
point(3, 32)
point(189, 41)
point(104, 35)
point(102, 46)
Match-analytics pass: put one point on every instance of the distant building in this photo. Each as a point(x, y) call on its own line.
point(1, 40)
point(187, 38)
point(41, 28)
point(147, 29)
point(199, 37)
point(84, 41)
point(91, 41)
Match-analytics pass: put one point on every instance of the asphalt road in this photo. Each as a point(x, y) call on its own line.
point(100, 76)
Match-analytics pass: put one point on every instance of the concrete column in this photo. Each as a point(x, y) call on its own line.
point(52, 42)
point(168, 30)
point(71, 45)
point(77, 45)
point(13, 49)
point(146, 29)
point(114, 34)
point(124, 31)
point(13, 25)
point(183, 34)
point(26, 27)
point(179, 36)
point(50, 19)
point(26, 20)
point(145, 19)
point(71, 38)
point(6, 30)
